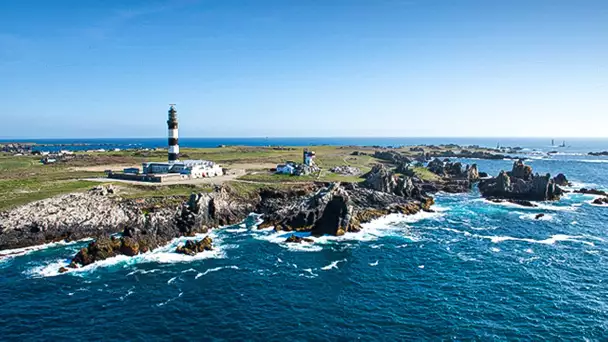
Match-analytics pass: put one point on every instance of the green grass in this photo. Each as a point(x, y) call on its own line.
point(276, 178)
point(24, 179)
point(14, 193)
point(425, 174)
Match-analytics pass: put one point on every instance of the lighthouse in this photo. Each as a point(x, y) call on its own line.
point(172, 125)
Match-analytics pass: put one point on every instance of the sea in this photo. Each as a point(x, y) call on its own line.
point(470, 270)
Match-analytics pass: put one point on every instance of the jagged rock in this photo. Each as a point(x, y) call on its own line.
point(404, 169)
point(521, 171)
point(521, 184)
point(193, 247)
point(337, 208)
point(561, 180)
point(472, 173)
point(296, 239)
point(591, 192)
point(538, 216)
point(380, 179)
point(600, 201)
point(597, 154)
point(436, 166)
point(202, 210)
point(483, 175)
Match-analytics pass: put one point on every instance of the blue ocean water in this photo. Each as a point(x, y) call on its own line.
point(471, 270)
point(573, 145)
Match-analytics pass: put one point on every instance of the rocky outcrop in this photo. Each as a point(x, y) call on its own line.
point(339, 208)
point(600, 201)
point(521, 184)
point(200, 212)
point(455, 170)
point(193, 247)
point(393, 157)
point(591, 192)
point(561, 180)
point(598, 154)
point(472, 173)
point(68, 217)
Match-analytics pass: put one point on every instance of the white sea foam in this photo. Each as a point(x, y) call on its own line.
point(548, 241)
point(170, 300)
point(170, 281)
point(333, 265)
point(163, 254)
point(215, 270)
point(9, 253)
point(236, 230)
point(394, 224)
point(138, 271)
point(189, 270)
point(495, 250)
point(539, 206)
point(421, 266)
point(374, 263)
point(130, 292)
point(546, 217)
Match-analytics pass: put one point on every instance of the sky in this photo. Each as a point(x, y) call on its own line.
point(312, 68)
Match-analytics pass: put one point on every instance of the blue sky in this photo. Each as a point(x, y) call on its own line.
point(74, 68)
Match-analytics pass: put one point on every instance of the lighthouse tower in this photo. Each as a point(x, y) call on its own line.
point(173, 145)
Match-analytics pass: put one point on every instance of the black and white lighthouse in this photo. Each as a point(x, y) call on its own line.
point(173, 145)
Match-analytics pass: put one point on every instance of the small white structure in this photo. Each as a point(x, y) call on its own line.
point(187, 168)
point(286, 169)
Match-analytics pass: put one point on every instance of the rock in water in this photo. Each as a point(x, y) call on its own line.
point(600, 201)
point(521, 184)
point(194, 247)
point(561, 180)
point(296, 239)
point(538, 216)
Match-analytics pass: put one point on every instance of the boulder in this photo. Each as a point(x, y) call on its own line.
point(600, 201)
point(538, 216)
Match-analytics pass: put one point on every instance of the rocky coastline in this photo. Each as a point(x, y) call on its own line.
point(130, 227)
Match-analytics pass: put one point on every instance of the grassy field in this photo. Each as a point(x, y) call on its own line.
point(24, 179)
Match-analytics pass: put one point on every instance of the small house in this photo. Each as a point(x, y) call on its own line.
point(286, 169)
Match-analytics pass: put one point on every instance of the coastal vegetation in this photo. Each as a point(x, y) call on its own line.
point(23, 178)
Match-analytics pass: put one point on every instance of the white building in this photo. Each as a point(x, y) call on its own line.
point(187, 168)
point(286, 169)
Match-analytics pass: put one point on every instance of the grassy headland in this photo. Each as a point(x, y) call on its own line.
point(24, 179)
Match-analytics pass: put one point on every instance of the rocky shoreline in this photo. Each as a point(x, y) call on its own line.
point(130, 227)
